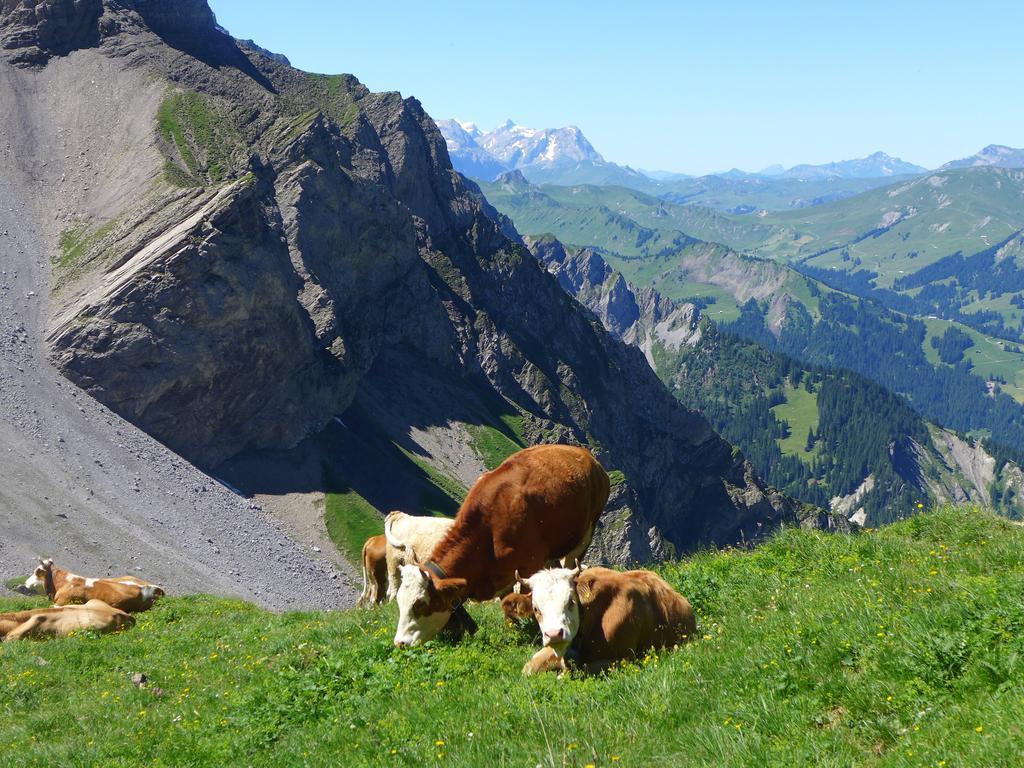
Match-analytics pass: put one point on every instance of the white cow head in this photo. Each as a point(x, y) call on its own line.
point(425, 603)
point(556, 604)
point(37, 581)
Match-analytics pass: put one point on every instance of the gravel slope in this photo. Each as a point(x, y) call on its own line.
point(82, 485)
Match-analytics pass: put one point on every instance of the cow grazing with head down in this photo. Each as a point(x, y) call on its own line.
point(375, 571)
point(125, 593)
point(62, 621)
point(539, 506)
point(598, 616)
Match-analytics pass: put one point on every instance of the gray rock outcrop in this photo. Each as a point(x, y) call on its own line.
point(300, 231)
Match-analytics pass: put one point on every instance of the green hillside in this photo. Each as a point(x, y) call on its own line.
point(800, 412)
point(899, 229)
point(781, 306)
point(759, 193)
point(740, 232)
point(901, 646)
point(637, 235)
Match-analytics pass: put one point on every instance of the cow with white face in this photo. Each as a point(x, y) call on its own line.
point(556, 606)
point(601, 616)
point(425, 604)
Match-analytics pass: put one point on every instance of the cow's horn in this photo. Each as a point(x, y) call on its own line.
point(576, 571)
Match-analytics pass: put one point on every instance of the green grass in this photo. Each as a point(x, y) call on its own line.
point(616, 477)
point(491, 444)
point(898, 647)
point(77, 241)
point(203, 135)
point(801, 412)
point(351, 520)
point(15, 582)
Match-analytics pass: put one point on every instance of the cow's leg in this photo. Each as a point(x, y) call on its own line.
point(394, 573)
point(545, 660)
point(371, 591)
point(24, 630)
point(364, 597)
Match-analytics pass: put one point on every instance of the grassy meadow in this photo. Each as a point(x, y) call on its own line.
point(895, 647)
point(800, 411)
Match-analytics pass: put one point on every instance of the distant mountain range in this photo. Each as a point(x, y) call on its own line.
point(545, 156)
point(566, 151)
point(994, 155)
point(873, 166)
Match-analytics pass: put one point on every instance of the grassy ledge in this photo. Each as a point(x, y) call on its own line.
point(202, 135)
point(351, 520)
point(492, 445)
point(903, 646)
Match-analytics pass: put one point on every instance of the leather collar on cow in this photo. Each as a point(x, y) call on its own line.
point(463, 622)
point(436, 569)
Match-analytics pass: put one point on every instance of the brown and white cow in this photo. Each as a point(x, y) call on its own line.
point(600, 616)
point(125, 593)
point(411, 539)
point(375, 571)
point(62, 621)
point(539, 506)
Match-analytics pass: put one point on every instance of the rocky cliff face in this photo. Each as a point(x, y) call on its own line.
point(638, 316)
point(301, 240)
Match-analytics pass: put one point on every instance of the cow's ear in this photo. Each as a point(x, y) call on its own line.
point(583, 590)
point(451, 590)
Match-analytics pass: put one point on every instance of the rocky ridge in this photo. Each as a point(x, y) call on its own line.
point(298, 243)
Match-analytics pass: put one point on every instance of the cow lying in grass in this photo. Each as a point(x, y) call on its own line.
point(62, 621)
point(600, 616)
point(410, 539)
point(375, 572)
point(125, 593)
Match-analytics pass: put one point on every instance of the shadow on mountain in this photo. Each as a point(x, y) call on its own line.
point(369, 449)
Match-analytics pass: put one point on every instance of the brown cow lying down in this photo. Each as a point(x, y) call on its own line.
point(540, 505)
point(62, 621)
point(600, 616)
point(375, 571)
point(125, 593)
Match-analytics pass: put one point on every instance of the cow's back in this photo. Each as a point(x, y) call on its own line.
point(117, 594)
point(62, 621)
point(539, 505)
point(626, 614)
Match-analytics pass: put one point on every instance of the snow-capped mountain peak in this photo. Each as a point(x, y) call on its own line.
point(518, 145)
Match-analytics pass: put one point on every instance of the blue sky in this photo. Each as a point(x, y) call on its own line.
point(683, 86)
